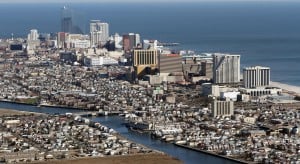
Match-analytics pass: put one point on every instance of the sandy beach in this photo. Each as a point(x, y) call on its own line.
point(290, 88)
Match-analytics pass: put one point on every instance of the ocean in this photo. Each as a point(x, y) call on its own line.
point(263, 33)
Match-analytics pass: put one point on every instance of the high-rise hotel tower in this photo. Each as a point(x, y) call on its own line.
point(226, 68)
point(256, 76)
point(99, 32)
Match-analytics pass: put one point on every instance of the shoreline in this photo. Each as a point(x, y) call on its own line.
point(151, 158)
point(74, 160)
point(45, 105)
point(213, 154)
point(290, 89)
point(11, 112)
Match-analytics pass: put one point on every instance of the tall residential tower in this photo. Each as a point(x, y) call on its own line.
point(226, 68)
point(99, 32)
point(33, 35)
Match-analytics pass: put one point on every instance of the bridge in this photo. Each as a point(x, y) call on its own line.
point(103, 113)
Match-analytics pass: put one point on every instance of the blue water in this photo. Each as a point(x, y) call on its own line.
point(264, 33)
point(185, 155)
point(116, 122)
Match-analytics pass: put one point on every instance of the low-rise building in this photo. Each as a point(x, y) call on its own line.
point(261, 91)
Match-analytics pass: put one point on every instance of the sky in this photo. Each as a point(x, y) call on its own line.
point(135, 1)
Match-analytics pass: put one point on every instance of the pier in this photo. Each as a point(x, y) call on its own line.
point(168, 44)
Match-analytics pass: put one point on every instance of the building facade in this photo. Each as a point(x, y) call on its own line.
point(66, 20)
point(207, 69)
point(226, 68)
point(222, 108)
point(118, 41)
point(32, 41)
point(131, 41)
point(261, 91)
point(150, 44)
point(33, 35)
point(170, 63)
point(256, 76)
point(99, 32)
point(95, 38)
point(145, 61)
point(95, 25)
point(69, 57)
point(61, 39)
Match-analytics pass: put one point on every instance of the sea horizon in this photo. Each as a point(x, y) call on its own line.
point(266, 34)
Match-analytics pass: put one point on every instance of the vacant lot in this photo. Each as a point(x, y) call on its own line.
point(10, 112)
point(131, 159)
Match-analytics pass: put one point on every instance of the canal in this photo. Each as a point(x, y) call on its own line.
point(116, 122)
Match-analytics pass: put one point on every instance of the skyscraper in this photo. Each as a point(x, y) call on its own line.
point(33, 35)
point(226, 68)
point(33, 40)
point(94, 25)
point(99, 32)
point(70, 22)
point(105, 31)
point(130, 41)
point(145, 61)
point(66, 20)
point(256, 76)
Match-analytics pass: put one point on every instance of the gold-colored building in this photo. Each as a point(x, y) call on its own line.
point(145, 61)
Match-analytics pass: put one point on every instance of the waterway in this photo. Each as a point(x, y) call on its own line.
point(116, 122)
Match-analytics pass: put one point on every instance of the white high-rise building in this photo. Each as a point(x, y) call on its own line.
point(137, 39)
point(95, 38)
point(94, 25)
point(256, 76)
point(226, 68)
point(33, 35)
point(118, 41)
point(150, 44)
point(99, 32)
point(105, 32)
point(32, 41)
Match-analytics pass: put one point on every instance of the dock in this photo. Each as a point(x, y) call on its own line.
point(168, 44)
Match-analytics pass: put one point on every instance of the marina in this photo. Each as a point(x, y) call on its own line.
point(40, 137)
point(209, 99)
point(116, 122)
